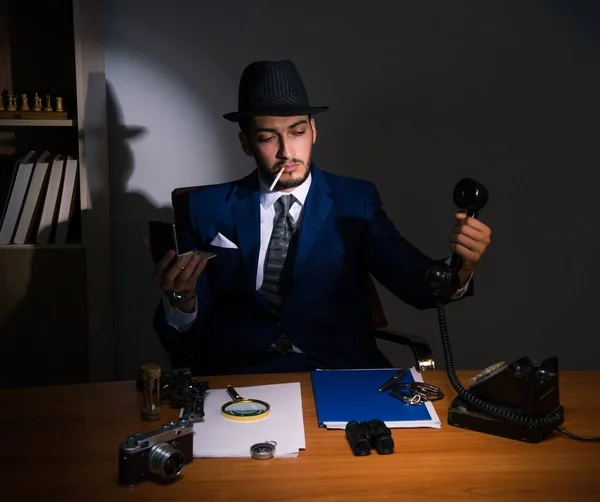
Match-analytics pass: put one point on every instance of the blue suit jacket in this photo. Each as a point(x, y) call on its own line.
point(344, 235)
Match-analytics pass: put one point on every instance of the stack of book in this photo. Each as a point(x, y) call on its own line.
point(40, 199)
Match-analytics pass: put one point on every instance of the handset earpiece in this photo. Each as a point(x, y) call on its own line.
point(471, 196)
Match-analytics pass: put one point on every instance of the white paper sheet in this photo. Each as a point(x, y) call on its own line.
point(219, 437)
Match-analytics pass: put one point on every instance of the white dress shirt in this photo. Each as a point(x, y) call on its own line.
point(182, 320)
point(267, 218)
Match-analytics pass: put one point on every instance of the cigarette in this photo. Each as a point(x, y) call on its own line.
point(277, 179)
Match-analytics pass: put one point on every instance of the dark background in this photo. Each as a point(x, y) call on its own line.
point(421, 94)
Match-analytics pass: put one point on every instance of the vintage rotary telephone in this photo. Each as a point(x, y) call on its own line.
point(519, 400)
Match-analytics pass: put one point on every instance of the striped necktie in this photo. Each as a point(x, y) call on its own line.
point(277, 252)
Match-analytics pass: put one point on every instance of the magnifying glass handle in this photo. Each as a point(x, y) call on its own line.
point(233, 393)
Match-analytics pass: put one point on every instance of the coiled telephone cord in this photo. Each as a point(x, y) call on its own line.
point(499, 412)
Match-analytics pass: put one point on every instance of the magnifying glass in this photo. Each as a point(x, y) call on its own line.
point(244, 410)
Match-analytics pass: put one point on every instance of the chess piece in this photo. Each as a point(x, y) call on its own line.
point(2, 102)
point(48, 107)
point(59, 105)
point(12, 103)
point(37, 103)
point(24, 103)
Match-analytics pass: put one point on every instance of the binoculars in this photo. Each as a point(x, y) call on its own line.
point(363, 436)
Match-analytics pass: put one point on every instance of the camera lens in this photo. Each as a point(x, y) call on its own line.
point(165, 461)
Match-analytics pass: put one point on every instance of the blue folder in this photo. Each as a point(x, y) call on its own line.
point(345, 395)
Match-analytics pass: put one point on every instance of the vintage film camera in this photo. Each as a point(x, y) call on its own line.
point(159, 454)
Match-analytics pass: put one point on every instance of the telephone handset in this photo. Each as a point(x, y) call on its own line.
point(518, 401)
point(471, 196)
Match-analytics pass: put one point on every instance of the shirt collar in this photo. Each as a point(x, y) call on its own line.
point(267, 198)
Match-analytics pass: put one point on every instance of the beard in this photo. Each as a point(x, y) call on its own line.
point(268, 174)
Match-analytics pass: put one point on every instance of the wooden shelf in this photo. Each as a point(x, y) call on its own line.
point(36, 122)
point(40, 246)
point(56, 319)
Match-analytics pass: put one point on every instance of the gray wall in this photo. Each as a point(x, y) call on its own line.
point(421, 94)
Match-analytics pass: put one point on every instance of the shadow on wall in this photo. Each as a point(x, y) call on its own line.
point(136, 294)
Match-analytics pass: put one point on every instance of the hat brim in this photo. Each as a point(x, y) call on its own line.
point(128, 132)
point(280, 112)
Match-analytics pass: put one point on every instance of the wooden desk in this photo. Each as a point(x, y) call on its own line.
point(61, 443)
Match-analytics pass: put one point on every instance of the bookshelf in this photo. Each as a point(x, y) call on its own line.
point(55, 309)
point(34, 122)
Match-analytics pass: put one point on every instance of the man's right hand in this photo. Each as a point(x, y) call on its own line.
point(180, 276)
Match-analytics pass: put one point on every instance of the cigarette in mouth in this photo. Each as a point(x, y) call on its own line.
point(277, 179)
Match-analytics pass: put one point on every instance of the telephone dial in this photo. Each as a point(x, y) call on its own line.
point(517, 401)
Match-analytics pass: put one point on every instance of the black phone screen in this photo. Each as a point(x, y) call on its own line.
point(162, 239)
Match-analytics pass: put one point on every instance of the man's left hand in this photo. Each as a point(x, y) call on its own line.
point(469, 240)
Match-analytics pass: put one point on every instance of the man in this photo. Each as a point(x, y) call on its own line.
point(288, 288)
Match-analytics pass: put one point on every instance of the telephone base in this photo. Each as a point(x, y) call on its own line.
point(462, 415)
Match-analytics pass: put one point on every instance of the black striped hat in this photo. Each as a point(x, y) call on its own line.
point(272, 88)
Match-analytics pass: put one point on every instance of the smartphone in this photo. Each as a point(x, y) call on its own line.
point(163, 238)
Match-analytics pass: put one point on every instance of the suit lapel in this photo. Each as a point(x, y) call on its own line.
point(317, 206)
point(246, 218)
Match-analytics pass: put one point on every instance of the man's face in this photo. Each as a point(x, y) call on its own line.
point(277, 142)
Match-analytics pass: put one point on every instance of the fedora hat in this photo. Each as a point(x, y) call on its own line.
point(272, 88)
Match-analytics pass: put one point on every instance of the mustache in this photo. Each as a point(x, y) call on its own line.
point(279, 165)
